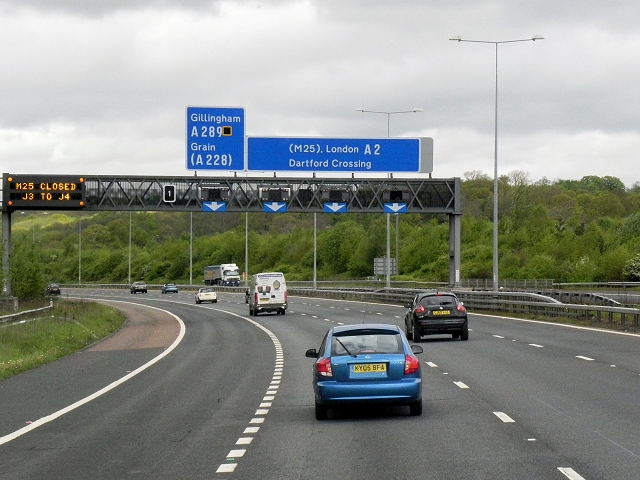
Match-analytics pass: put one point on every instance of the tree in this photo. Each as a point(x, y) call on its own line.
point(27, 280)
point(631, 270)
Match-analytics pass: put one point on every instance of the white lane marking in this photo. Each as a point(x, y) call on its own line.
point(49, 418)
point(497, 336)
point(431, 364)
point(536, 345)
point(227, 468)
point(236, 453)
point(564, 325)
point(570, 473)
point(272, 389)
point(461, 385)
point(585, 358)
point(504, 417)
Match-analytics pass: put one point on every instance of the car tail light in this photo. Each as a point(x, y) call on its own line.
point(411, 364)
point(420, 309)
point(461, 308)
point(286, 297)
point(323, 367)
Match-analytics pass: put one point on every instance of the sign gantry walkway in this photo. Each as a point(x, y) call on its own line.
point(251, 194)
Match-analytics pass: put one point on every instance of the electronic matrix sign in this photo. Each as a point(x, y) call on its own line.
point(42, 192)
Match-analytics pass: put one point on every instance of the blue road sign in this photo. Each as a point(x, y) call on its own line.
point(398, 207)
point(335, 207)
point(275, 207)
point(344, 155)
point(215, 138)
point(214, 206)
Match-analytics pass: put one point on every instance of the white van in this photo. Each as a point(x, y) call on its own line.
point(267, 293)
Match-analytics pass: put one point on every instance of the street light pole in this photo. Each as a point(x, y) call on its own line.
point(388, 262)
point(495, 151)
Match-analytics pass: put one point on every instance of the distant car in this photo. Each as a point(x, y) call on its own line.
point(436, 313)
point(52, 289)
point(366, 364)
point(206, 294)
point(138, 287)
point(169, 288)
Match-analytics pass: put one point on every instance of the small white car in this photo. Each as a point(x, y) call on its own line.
point(206, 294)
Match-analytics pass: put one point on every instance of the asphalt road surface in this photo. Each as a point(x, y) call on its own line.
point(206, 391)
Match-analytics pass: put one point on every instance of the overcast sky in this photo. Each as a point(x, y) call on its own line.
point(100, 87)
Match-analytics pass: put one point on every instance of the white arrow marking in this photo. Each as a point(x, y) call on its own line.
point(334, 207)
point(396, 207)
point(214, 205)
point(275, 206)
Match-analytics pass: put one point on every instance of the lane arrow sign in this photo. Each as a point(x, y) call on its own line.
point(395, 208)
point(273, 207)
point(335, 207)
point(214, 206)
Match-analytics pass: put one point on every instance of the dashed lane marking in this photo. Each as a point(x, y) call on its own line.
point(504, 417)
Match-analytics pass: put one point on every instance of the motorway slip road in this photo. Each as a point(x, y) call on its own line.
point(38, 393)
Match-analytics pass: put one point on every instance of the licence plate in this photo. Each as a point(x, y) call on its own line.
point(370, 367)
point(442, 312)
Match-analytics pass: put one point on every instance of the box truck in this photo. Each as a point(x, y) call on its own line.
point(226, 274)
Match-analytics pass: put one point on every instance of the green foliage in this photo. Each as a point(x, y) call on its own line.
point(568, 230)
point(27, 280)
point(631, 270)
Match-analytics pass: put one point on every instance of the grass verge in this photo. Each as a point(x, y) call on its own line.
point(54, 333)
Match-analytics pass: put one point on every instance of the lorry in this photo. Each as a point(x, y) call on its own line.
point(226, 274)
point(267, 293)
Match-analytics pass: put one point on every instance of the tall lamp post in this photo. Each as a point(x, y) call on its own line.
point(495, 155)
point(388, 262)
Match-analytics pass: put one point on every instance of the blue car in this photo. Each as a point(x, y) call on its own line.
point(169, 288)
point(366, 364)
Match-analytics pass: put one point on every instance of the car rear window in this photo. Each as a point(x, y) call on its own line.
point(434, 300)
point(366, 343)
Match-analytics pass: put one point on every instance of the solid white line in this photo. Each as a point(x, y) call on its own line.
point(570, 473)
point(102, 391)
point(585, 358)
point(563, 325)
point(504, 417)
